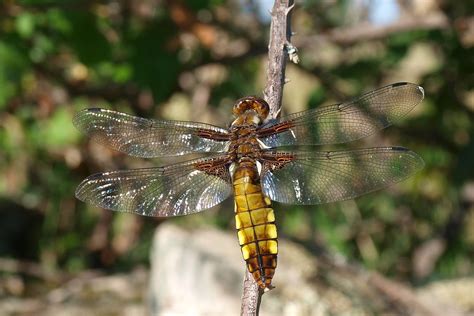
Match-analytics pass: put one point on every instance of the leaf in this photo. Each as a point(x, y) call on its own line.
point(12, 67)
point(85, 38)
point(25, 24)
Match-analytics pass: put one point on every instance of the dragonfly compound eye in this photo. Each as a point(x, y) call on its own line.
point(252, 103)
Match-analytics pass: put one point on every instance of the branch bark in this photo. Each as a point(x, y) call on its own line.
point(280, 37)
point(279, 41)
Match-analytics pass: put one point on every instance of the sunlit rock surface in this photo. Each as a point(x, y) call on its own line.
point(200, 272)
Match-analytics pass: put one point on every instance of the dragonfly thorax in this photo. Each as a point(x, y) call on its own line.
point(244, 142)
point(247, 150)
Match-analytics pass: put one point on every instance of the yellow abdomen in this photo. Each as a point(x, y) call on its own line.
point(255, 222)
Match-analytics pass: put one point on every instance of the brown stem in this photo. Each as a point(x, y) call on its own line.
point(280, 36)
point(251, 296)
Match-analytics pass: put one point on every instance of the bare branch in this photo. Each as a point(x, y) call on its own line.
point(280, 37)
point(367, 32)
point(279, 42)
point(251, 296)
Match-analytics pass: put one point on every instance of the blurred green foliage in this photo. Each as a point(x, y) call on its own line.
point(190, 60)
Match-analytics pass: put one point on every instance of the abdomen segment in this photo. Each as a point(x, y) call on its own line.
point(255, 222)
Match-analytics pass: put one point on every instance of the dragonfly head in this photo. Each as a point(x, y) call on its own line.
point(251, 110)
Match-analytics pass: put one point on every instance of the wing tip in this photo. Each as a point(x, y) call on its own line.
point(418, 161)
point(77, 119)
point(79, 193)
point(406, 83)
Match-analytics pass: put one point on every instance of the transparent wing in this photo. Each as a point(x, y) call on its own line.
point(320, 177)
point(345, 122)
point(147, 138)
point(179, 189)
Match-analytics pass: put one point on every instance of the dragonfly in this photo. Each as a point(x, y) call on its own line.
point(256, 159)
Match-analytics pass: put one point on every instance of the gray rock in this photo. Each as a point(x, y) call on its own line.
point(200, 272)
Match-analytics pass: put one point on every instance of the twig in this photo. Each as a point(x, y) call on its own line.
point(280, 36)
point(251, 296)
point(366, 32)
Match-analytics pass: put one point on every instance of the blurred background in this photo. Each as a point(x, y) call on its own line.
point(190, 60)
